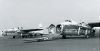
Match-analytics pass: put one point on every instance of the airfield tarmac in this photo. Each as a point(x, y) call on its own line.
point(71, 44)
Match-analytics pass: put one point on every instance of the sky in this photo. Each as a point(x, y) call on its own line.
point(30, 13)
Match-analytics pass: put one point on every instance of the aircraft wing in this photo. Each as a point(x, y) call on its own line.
point(48, 37)
point(29, 30)
point(95, 24)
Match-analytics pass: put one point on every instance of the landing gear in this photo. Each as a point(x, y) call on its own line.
point(14, 36)
point(30, 35)
point(87, 36)
point(64, 37)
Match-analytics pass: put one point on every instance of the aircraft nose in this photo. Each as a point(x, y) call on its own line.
point(4, 34)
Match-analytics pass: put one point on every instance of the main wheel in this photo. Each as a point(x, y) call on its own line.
point(30, 35)
point(13, 36)
point(87, 36)
point(63, 36)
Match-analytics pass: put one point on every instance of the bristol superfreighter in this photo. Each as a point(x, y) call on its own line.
point(15, 32)
point(70, 28)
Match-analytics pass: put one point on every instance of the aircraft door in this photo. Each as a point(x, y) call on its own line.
point(58, 29)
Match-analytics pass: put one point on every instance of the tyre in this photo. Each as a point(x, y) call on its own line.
point(30, 35)
point(63, 36)
point(86, 37)
point(23, 36)
point(14, 36)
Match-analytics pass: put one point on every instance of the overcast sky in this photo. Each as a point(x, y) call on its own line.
point(29, 13)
